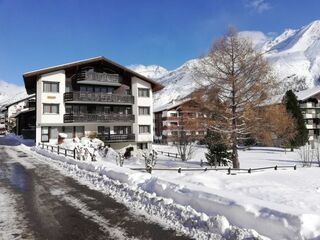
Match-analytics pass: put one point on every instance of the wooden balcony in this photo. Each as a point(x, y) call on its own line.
point(99, 118)
point(89, 76)
point(109, 138)
point(99, 98)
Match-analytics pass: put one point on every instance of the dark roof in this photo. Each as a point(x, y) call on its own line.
point(30, 78)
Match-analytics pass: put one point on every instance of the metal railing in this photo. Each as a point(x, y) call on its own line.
point(112, 117)
point(98, 97)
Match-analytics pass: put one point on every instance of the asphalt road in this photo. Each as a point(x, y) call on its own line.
point(38, 202)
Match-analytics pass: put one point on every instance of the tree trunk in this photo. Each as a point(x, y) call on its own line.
point(235, 159)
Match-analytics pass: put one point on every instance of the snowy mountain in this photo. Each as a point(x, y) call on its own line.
point(294, 55)
point(151, 71)
point(10, 92)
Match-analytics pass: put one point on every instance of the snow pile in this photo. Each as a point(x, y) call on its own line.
point(163, 201)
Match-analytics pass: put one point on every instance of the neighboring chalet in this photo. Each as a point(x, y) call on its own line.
point(177, 116)
point(95, 98)
point(19, 117)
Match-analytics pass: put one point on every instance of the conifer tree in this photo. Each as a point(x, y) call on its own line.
point(217, 149)
point(292, 106)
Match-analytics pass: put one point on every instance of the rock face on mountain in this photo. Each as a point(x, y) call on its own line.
point(294, 55)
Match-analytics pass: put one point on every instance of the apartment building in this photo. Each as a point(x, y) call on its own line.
point(18, 116)
point(309, 101)
point(95, 98)
point(177, 116)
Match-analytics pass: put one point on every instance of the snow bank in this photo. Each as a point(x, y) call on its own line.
point(278, 204)
point(168, 203)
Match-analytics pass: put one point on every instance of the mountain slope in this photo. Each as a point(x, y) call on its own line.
point(294, 56)
point(10, 92)
point(151, 71)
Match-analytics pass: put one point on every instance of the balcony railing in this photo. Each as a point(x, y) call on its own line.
point(102, 77)
point(116, 137)
point(105, 118)
point(98, 97)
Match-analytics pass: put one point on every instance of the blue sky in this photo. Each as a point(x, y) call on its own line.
point(40, 33)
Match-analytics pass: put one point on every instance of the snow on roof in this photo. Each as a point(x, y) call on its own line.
point(171, 105)
point(301, 96)
point(20, 100)
point(305, 94)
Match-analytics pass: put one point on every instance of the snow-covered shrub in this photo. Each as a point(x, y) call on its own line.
point(306, 154)
point(150, 159)
point(317, 151)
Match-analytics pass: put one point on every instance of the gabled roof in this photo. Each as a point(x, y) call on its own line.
point(301, 96)
point(20, 100)
point(171, 105)
point(308, 93)
point(31, 76)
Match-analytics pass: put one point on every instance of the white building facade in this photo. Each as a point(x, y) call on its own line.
point(94, 98)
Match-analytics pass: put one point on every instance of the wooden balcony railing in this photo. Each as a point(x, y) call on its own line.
point(102, 77)
point(105, 118)
point(116, 137)
point(98, 97)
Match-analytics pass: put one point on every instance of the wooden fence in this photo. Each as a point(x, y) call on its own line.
point(169, 154)
point(59, 150)
point(229, 170)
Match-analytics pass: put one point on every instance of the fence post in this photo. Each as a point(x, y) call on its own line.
point(229, 170)
point(276, 167)
point(65, 152)
point(168, 154)
point(179, 170)
point(295, 167)
point(51, 148)
point(249, 170)
point(74, 153)
point(58, 148)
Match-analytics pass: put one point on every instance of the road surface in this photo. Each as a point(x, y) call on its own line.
point(38, 202)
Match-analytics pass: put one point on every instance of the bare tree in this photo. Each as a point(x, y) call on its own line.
point(188, 124)
point(239, 80)
point(275, 126)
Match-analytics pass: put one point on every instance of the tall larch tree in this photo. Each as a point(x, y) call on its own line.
point(235, 79)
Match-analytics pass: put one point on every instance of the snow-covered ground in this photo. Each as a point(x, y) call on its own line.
point(280, 204)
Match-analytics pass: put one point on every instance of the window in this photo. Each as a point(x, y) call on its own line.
point(144, 110)
point(54, 132)
point(122, 130)
point(50, 108)
point(103, 130)
point(68, 131)
point(79, 130)
point(52, 87)
point(142, 146)
point(144, 128)
point(144, 92)
point(45, 134)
